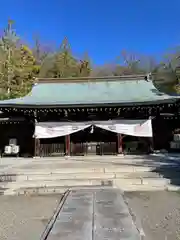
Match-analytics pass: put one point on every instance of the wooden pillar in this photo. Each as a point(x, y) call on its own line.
point(36, 147)
point(68, 145)
point(153, 120)
point(36, 140)
point(151, 143)
point(120, 143)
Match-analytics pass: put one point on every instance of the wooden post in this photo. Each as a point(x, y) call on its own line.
point(36, 140)
point(36, 147)
point(120, 143)
point(151, 143)
point(68, 146)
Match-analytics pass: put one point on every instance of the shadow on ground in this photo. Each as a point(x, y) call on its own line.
point(167, 166)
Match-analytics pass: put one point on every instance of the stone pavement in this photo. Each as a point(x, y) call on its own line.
point(94, 214)
point(8, 164)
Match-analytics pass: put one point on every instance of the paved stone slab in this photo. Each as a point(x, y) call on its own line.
point(94, 214)
point(75, 219)
point(112, 220)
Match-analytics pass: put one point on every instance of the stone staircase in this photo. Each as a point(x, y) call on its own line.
point(52, 179)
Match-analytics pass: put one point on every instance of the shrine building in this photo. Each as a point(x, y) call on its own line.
point(89, 116)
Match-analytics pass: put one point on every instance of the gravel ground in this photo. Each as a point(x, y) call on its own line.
point(25, 217)
point(159, 213)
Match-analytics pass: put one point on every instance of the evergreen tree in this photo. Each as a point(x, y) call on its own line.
point(17, 66)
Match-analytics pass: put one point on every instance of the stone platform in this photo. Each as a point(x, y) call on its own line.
point(50, 175)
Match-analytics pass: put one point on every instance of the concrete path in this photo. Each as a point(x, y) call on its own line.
point(94, 215)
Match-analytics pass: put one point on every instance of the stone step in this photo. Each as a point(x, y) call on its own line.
point(58, 170)
point(141, 188)
point(61, 187)
point(128, 169)
point(37, 191)
point(86, 162)
point(61, 183)
point(146, 181)
point(69, 176)
point(61, 190)
point(138, 175)
point(51, 190)
point(85, 182)
point(66, 170)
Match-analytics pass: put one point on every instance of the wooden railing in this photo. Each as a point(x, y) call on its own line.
point(109, 148)
point(52, 149)
point(80, 149)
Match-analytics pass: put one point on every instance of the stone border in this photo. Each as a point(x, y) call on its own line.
point(50, 224)
point(135, 219)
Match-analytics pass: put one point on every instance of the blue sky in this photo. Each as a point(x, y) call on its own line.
point(101, 28)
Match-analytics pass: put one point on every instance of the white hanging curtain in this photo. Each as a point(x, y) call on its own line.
point(57, 129)
point(139, 128)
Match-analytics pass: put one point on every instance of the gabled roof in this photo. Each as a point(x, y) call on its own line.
point(123, 90)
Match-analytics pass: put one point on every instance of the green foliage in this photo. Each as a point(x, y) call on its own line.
point(17, 66)
point(165, 78)
point(63, 64)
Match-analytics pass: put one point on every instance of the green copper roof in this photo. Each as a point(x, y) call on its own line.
point(127, 90)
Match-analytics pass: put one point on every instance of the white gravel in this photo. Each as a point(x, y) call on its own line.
point(25, 217)
point(159, 213)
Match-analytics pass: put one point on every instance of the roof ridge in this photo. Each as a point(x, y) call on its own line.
point(87, 79)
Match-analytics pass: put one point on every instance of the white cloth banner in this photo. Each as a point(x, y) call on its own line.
point(53, 129)
point(138, 128)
